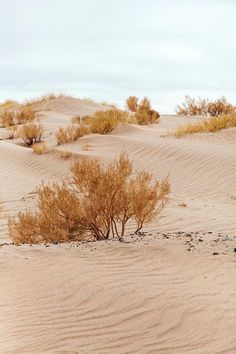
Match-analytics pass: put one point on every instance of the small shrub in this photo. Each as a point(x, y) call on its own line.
point(7, 118)
point(31, 133)
point(25, 115)
point(210, 125)
point(39, 148)
point(132, 103)
point(71, 133)
point(219, 107)
point(204, 107)
point(97, 202)
point(9, 104)
point(11, 133)
point(103, 122)
point(144, 114)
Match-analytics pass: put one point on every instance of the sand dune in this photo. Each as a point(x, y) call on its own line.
point(153, 294)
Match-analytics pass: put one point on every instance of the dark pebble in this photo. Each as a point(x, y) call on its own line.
point(215, 253)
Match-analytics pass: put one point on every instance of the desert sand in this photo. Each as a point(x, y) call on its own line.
point(170, 290)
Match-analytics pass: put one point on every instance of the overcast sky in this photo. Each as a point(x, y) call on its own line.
point(110, 49)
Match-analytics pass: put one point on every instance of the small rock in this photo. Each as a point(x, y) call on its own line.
point(215, 253)
point(200, 240)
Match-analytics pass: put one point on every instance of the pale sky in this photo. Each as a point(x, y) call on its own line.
point(110, 49)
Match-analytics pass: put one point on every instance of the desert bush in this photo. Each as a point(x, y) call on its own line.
point(210, 125)
point(220, 106)
point(31, 133)
point(132, 103)
point(144, 114)
point(25, 115)
point(96, 202)
point(103, 122)
point(39, 148)
point(71, 133)
point(7, 118)
point(9, 104)
point(11, 133)
point(204, 107)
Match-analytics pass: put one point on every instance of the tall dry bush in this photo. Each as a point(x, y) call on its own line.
point(103, 122)
point(210, 125)
point(144, 114)
point(204, 107)
point(25, 115)
point(7, 118)
point(132, 103)
point(97, 202)
point(31, 133)
point(71, 133)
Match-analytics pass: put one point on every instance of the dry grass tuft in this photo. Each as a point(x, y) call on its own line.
point(210, 125)
point(71, 133)
point(144, 114)
point(42, 99)
point(97, 202)
point(25, 115)
point(9, 104)
point(31, 133)
point(103, 122)
point(204, 107)
point(7, 118)
point(40, 148)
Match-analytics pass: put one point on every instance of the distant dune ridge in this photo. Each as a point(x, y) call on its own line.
point(155, 294)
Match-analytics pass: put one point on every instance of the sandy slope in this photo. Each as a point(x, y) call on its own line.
point(156, 294)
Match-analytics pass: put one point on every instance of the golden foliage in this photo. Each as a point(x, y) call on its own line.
point(132, 103)
point(204, 107)
point(103, 122)
point(31, 133)
point(7, 118)
point(71, 133)
point(25, 115)
point(97, 202)
point(39, 148)
point(144, 114)
point(210, 125)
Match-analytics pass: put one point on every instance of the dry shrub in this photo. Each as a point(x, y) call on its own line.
point(132, 103)
point(39, 148)
point(204, 107)
point(11, 133)
point(210, 125)
point(220, 106)
point(144, 114)
point(7, 118)
point(25, 115)
point(9, 104)
point(103, 122)
point(97, 202)
point(71, 133)
point(31, 133)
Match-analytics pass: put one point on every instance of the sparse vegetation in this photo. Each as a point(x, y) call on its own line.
point(39, 148)
point(210, 125)
point(97, 202)
point(103, 122)
point(204, 107)
point(71, 133)
point(25, 115)
point(31, 133)
point(7, 118)
point(42, 99)
point(144, 114)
